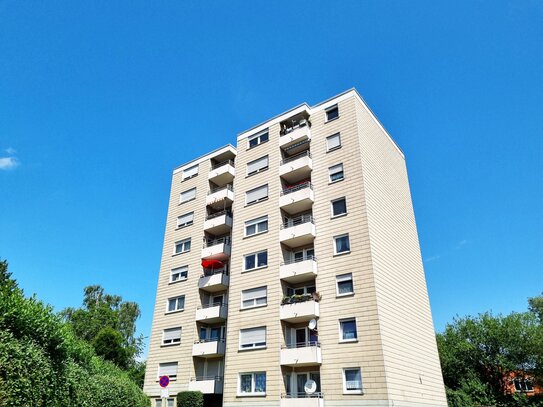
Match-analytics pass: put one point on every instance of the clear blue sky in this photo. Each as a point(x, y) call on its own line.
point(100, 100)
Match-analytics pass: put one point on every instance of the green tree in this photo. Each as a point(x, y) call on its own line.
point(109, 324)
point(42, 363)
point(478, 353)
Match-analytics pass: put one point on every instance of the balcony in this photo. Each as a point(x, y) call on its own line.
point(221, 197)
point(214, 280)
point(297, 167)
point(298, 270)
point(218, 223)
point(302, 400)
point(216, 249)
point(299, 231)
point(208, 348)
point(303, 354)
point(222, 173)
point(207, 385)
point(211, 314)
point(297, 198)
point(292, 135)
point(299, 309)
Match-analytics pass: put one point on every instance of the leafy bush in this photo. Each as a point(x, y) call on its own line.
point(190, 399)
point(43, 364)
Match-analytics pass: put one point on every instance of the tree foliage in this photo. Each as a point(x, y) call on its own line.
point(190, 399)
point(109, 324)
point(42, 363)
point(478, 354)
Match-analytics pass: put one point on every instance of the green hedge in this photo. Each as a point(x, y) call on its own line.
point(190, 399)
point(43, 364)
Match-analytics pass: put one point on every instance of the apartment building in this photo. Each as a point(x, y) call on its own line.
point(291, 272)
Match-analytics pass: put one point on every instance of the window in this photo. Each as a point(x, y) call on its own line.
point(523, 385)
point(168, 369)
point(344, 284)
point(179, 274)
point(254, 297)
point(257, 165)
point(258, 138)
point(169, 403)
point(352, 380)
point(171, 336)
point(256, 260)
point(252, 383)
point(212, 334)
point(176, 304)
point(185, 220)
point(305, 290)
point(252, 338)
point(256, 195)
point(335, 173)
point(182, 246)
point(339, 207)
point(188, 195)
point(341, 244)
point(190, 172)
point(347, 330)
point(256, 226)
point(332, 113)
point(333, 142)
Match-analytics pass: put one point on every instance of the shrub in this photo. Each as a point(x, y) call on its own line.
point(190, 399)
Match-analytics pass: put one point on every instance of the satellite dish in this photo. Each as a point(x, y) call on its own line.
point(310, 387)
point(312, 324)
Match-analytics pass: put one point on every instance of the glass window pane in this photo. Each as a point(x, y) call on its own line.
point(349, 329)
point(339, 207)
point(245, 383)
point(260, 382)
point(171, 305)
point(250, 262)
point(342, 244)
point(250, 230)
point(345, 287)
point(262, 259)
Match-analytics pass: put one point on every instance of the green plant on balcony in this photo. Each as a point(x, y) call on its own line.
point(295, 298)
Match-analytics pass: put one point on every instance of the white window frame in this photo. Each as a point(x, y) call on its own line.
point(341, 278)
point(259, 137)
point(190, 222)
point(329, 109)
point(256, 222)
point(189, 171)
point(180, 271)
point(259, 169)
point(176, 304)
point(169, 402)
point(172, 377)
point(331, 172)
point(336, 253)
point(255, 299)
point(174, 341)
point(343, 320)
point(357, 391)
point(183, 243)
point(257, 200)
point(328, 148)
point(332, 215)
point(253, 384)
point(252, 346)
point(182, 201)
point(256, 267)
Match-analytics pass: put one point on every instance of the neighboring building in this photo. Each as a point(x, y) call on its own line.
point(521, 382)
point(312, 292)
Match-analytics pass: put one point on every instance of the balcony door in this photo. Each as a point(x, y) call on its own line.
point(302, 378)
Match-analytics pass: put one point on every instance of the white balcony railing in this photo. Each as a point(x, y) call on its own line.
point(298, 270)
point(222, 173)
point(297, 198)
point(218, 249)
point(303, 354)
point(220, 197)
point(302, 400)
point(208, 348)
point(297, 167)
point(207, 384)
point(299, 311)
point(297, 231)
point(211, 313)
point(214, 280)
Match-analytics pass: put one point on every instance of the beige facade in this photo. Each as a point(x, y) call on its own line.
point(325, 290)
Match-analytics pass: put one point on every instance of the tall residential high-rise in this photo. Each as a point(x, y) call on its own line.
point(291, 273)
